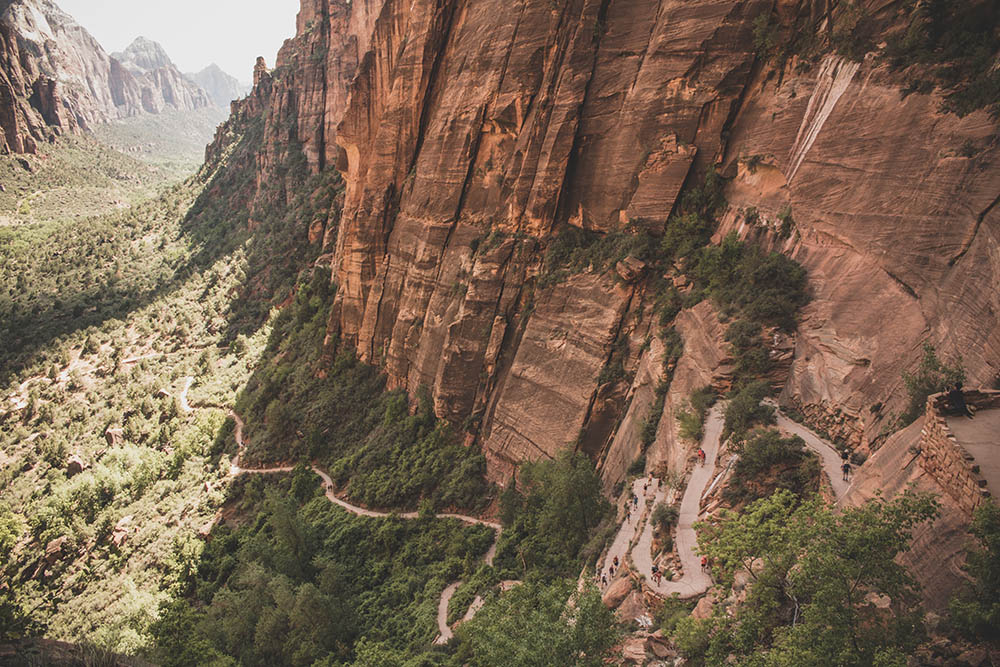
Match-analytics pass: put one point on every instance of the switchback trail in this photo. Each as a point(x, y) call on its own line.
point(693, 580)
point(444, 630)
point(828, 455)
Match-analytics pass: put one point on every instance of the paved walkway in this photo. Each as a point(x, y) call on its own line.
point(694, 580)
point(444, 630)
point(980, 437)
point(829, 456)
point(623, 540)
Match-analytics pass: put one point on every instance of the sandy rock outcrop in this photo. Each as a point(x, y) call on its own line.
point(938, 549)
point(547, 394)
point(897, 227)
point(75, 465)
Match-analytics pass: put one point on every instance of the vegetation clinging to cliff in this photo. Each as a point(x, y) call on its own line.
point(931, 377)
point(306, 402)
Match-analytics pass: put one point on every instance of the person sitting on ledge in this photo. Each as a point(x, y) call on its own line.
point(956, 398)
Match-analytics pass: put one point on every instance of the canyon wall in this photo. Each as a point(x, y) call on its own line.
point(470, 134)
point(56, 78)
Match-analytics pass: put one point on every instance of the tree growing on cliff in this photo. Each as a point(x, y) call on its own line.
point(825, 588)
point(975, 612)
point(931, 377)
point(547, 526)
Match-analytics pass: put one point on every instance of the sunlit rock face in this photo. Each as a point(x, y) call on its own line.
point(468, 134)
point(55, 77)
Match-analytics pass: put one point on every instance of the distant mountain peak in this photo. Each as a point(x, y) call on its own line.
point(222, 87)
point(143, 55)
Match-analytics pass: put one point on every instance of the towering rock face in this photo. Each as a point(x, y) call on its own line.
point(222, 88)
point(161, 85)
point(468, 134)
point(55, 77)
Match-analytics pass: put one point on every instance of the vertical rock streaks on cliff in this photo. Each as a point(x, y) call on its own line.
point(835, 75)
point(468, 133)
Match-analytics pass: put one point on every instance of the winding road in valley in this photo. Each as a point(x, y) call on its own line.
point(445, 632)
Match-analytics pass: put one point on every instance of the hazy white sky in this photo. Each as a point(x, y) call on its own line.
point(195, 33)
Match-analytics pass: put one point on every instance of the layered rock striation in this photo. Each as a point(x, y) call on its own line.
point(469, 135)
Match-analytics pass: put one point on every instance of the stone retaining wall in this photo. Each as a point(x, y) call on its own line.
point(945, 460)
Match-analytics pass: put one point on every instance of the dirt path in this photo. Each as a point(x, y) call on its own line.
point(445, 632)
point(185, 407)
point(828, 455)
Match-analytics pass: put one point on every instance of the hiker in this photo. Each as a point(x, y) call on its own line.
point(956, 397)
point(615, 561)
point(844, 454)
point(635, 501)
point(704, 563)
point(847, 470)
point(645, 488)
point(701, 456)
point(604, 580)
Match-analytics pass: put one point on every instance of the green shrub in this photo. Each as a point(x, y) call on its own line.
point(975, 609)
point(665, 516)
point(931, 377)
point(745, 410)
point(547, 525)
point(768, 463)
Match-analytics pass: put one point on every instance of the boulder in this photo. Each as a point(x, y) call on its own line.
point(75, 465)
point(974, 657)
point(616, 592)
point(631, 269)
point(120, 532)
point(114, 436)
point(659, 646)
point(634, 650)
point(633, 607)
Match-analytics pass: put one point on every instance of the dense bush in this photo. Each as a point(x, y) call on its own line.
point(693, 420)
point(931, 377)
point(665, 516)
point(745, 410)
point(814, 573)
point(975, 609)
point(575, 250)
point(549, 521)
point(374, 448)
point(301, 583)
point(954, 46)
point(533, 625)
point(767, 288)
point(769, 463)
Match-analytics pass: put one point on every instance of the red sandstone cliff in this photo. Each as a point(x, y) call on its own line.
point(469, 133)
